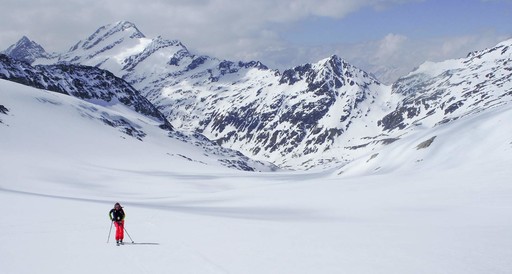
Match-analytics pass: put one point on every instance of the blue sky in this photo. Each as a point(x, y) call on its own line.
point(417, 20)
point(385, 37)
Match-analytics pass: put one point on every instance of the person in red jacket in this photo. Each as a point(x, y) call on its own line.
point(117, 216)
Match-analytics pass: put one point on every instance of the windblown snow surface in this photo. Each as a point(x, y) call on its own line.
point(437, 201)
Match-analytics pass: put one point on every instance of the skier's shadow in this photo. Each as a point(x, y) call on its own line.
point(136, 243)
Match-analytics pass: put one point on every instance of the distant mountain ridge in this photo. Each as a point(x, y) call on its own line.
point(27, 50)
point(437, 93)
point(314, 115)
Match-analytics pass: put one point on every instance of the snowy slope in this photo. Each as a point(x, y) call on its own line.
point(443, 208)
point(37, 120)
point(446, 146)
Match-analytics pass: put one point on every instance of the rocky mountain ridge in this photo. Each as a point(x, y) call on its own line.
point(314, 115)
point(102, 88)
point(84, 82)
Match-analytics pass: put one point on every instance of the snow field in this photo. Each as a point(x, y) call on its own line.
point(62, 170)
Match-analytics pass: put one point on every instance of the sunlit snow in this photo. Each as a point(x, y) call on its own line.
point(409, 208)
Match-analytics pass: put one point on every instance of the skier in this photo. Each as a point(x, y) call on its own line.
point(116, 215)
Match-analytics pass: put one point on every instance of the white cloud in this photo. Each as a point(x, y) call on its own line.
point(233, 25)
point(390, 46)
point(230, 29)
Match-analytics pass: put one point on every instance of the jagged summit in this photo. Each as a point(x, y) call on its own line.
point(26, 50)
point(120, 47)
point(332, 59)
point(338, 66)
point(120, 29)
point(333, 69)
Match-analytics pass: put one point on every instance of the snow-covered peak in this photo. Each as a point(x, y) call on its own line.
point(120, 47)
point(26, 50)
point(332, 69)
point(24, 41)
point(331, 60)
point(121, 29)
point(333, 64)
point(342, 68)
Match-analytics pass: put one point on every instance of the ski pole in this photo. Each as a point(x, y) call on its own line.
point(128, 234)
point(110, 231)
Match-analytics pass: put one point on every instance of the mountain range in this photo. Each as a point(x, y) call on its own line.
point(319, 115)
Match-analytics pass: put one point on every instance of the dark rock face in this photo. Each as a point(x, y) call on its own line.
point(3, 109)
